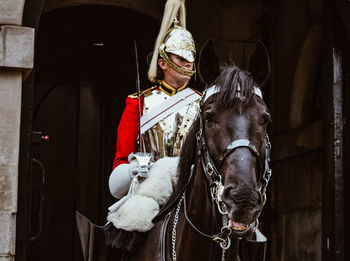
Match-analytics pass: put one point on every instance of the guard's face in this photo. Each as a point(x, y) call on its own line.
point(173, 77)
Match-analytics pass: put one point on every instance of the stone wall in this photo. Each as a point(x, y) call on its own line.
point(10, 108)
point(11, 12)
point(16, 57)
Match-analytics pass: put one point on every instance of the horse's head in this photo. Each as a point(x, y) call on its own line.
point(234, 119)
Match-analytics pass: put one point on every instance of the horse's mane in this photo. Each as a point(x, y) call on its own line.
point(187, 155)
point(228, 80)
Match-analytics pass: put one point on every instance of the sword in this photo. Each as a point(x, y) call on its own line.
point(143, 158)
point(138, 93)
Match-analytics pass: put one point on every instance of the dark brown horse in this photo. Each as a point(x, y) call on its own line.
point(223, 173)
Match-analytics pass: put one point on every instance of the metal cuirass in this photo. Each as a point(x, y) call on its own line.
point(165, 138)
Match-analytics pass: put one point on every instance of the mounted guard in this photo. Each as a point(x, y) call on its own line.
point(151, 132)
point(223, 168)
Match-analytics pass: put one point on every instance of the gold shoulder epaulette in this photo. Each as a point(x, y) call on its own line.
point(145, 93)
point(134, 95)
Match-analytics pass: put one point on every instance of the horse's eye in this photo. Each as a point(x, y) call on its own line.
point(265, 119)
point(209, 117)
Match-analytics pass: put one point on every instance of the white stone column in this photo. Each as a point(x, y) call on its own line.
point(16, 58)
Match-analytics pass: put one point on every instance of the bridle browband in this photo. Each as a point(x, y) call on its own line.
point(213, 175)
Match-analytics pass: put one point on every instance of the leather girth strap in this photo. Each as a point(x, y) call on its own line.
point(163, 236)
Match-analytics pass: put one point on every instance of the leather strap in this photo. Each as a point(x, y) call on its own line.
point(163, 231)
point(172, 104)
point(238, 144)
point(213, 90)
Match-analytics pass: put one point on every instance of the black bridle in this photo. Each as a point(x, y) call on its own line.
point(214, 178)
point(212, 172)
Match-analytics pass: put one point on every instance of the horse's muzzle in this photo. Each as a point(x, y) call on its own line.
point(243, 205)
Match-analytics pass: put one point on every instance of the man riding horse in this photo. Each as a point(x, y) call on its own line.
point(155, 122)
point(162, 115)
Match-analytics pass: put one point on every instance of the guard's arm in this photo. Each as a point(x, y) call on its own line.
point(127, 132)
point(120, 179)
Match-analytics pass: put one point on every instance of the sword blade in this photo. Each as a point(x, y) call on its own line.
point(138, 94)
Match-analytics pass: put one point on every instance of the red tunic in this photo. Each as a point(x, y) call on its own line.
point(129, 125)
point(127, 132)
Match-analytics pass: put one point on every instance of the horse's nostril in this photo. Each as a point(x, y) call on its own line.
point(242, 196)
point(229, 194)
point(232, 194)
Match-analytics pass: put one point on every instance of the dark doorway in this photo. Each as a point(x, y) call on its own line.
point(85, 68)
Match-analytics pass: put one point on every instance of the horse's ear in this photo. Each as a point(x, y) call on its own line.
point(259, 64)
point(209, 63)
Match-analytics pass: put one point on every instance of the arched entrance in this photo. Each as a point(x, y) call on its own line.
point(85, 68)
point(71, 122)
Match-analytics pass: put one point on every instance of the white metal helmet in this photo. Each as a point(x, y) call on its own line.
point(179, 41)
point(176, 40)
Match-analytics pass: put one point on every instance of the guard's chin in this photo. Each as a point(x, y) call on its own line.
point(184, 78)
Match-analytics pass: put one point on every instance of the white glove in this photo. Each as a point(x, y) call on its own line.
point(134, 166)
point(121, 177)
point(119, 181)
point(135, 160)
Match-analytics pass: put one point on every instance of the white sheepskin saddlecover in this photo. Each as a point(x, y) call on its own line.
point(137, 212)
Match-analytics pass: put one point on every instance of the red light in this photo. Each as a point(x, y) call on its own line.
point(46, 138)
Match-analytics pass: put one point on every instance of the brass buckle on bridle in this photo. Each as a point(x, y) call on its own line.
point(264, 198)
point(224, 243)
point(223, 238)
point(219, 240)
point(209, 169)
point(199, 135)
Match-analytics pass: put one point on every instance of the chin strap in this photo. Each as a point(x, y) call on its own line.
point(177, 68)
